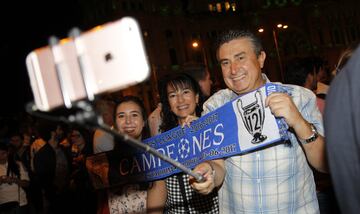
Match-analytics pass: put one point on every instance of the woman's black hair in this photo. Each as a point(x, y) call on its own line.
point(179, 80)
point(13, 167)
point(146, 130)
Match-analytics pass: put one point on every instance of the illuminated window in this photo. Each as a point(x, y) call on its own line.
point(211, 7)
point(227, 6)
point(218, 7)
point(233, 7)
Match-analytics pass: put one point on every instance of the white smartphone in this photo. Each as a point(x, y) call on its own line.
point(106, 58)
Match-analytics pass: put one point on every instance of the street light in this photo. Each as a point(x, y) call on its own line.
point(196, 44)
point(275, 37)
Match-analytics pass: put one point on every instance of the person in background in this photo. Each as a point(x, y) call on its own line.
point(276, 179)
point(343, 58)
point(323, 76)
point(13, 178)
point(103, 141)
point(21, 149)
point(43, 164)
point(181, 98)
point(83, 197)
point(130, 118)
point(20, 141)
point(301, 71)
point(155, 120)
point(342, 117)
point(201, 74)
point(51, 162)
point(62, 147)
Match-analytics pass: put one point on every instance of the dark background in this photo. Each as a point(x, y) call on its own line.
point(316, 27)
point(27, 25)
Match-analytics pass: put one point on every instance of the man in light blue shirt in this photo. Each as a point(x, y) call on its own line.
point(277, 179)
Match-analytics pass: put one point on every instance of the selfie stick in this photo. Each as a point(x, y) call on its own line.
point(88, 116)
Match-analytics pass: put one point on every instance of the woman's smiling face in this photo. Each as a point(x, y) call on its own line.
point(129, 119)
point(182, 101)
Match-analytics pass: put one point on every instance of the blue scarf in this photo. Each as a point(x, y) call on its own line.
point(240, 126)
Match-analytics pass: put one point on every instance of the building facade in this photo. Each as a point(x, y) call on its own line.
point(170, 27)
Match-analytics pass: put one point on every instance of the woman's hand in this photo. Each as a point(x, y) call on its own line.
point(188, 120)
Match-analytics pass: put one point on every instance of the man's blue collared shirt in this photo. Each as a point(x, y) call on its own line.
point(277, 179)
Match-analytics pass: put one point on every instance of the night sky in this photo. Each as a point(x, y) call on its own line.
point(26, 25)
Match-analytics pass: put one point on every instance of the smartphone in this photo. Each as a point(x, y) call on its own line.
point(106, 58)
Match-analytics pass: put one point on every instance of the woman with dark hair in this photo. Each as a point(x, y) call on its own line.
point(168, 88)
point(13, 178)
point(83, 198)
point(133, 108)
point(181, 100)
point(130, 118)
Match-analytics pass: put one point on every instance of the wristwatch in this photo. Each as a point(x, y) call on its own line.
point(313, 137)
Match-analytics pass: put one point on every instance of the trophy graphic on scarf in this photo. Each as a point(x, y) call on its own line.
point(253, 117)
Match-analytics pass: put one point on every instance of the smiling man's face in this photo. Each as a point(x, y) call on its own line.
point(241, 67)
